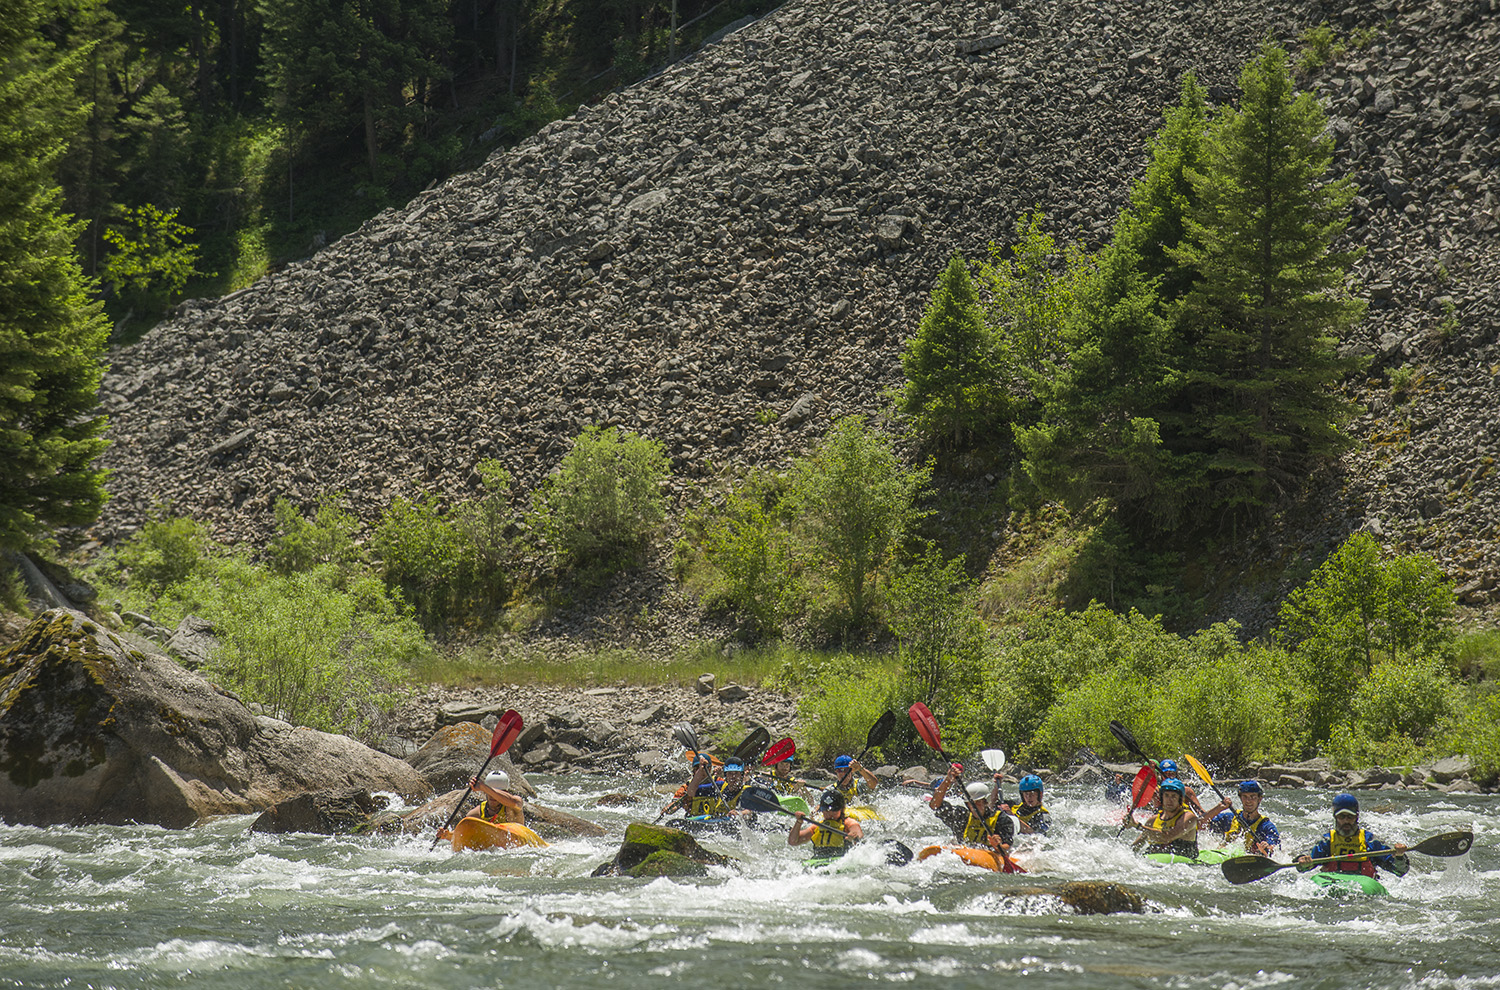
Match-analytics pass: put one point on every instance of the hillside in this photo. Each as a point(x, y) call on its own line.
point(755, 231)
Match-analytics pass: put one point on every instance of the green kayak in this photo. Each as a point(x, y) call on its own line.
point(794, 804)
point(1205, 857)
point(1338, 883)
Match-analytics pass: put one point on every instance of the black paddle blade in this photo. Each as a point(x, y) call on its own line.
point(684, 733)
point(760, 799)
point(1246, 869)
point(896, 853)
point(1447, 844)
point(881, 729)
point(1126, 739)
point(750, 748)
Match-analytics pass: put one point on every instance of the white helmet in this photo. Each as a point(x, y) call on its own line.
point(978, 791)
point(498, 779)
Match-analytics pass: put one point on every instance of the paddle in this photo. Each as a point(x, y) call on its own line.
point(749, 749)
point(506, 732)
point(1202, 771)
point(995, 760)
point(927, 728)
point(1128, 741)
point(1246, 869)
point(764, 799)
point(1142, 790)
point(784, 749)
point(877, 735)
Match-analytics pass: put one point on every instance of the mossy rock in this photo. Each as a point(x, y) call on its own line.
point(670, 849)
point(1089, 896)
point(667, 864)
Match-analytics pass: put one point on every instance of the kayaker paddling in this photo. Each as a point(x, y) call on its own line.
point(782, 781)
point(994, 828)
point(1169, 771)
point(827, 844)
point(1347, 838)
point(1248, 825)
point(853, 779)
point(498, 805)
point(1174, 829)
point(688, 796)
point(1031, 815)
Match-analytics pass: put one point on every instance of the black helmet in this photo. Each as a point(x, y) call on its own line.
point(831, 801)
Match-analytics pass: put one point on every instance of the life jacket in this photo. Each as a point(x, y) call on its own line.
point(974, 828)
point(1025, 813)
point(851, 789)
point(830, 843)
point(501, 813)
point(1239, 827)
point(1186, 845)
point(1340, 846)
point(707, 802)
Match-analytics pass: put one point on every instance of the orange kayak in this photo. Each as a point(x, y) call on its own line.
point(476, 833)
point(975, 857)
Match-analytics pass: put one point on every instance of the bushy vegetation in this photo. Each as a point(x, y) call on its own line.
point(605, 502)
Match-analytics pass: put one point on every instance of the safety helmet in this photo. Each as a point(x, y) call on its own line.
point(1167, 766)
point(1030, 782)
point(733, 766)
point(843, 762)
point(498, 779)
point(1345, 802)
point(978, 791)
point(1173, 785)
point(1250, 787)
point(831, 800)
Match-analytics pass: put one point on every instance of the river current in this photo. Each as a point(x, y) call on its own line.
point(220, 906)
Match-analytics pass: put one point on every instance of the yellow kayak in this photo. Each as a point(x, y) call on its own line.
point(864, 813)
point(476, 833)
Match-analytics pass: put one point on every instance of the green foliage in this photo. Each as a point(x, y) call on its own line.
point(51, 335)
point(1476, 654)
point(1319, 47)
point(1358, 610)
point(855, 504)
point(939, 639)
point(1407, 697)
point(152, 258)
point(300, 543)
point(164, 551)
point(420, 552)
point(484, 525)
point(953, 391)
point(1476, 733)
point(836, 717)
point(751, 550)
point(1260, 325)
point(604, 505)
point(1027, 298)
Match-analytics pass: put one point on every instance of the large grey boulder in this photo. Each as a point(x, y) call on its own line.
point(455, 753)
point(94, 731)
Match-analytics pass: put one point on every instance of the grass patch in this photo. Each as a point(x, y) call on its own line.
point(1477, 654)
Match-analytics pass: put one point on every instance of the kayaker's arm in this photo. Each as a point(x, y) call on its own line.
point(499, 797)
point(871, 781)
point(798, 833)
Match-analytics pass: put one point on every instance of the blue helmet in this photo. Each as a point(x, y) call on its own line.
point(1250, 787)
point(1345, 802)
point(1030, 782)
point(1167, 766)
point(733, 766)
point(1173, 785)
point(843, 762)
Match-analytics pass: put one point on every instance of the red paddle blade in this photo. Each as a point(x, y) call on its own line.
point(507, 730)
point(1143, 788)
point(927, 726)
point(785, 749)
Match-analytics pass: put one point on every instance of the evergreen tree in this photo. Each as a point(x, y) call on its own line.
point(51, 335)
point(1270, 297)
point(952, 390)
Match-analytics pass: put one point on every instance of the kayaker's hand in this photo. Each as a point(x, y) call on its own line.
point(1304, 858)
point(444, 833)
point(1399, 849)
point(954, 769)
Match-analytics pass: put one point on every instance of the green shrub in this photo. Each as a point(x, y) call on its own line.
point(751, 552)
point(855, 504)
point(1406, 697)
point(421, 553)
point(1476, 732)
point(1082, 715)
point(1477, 655)
point(162, 552)
point(1319, 47)
point(837, 717)
point(1231, 705)
point(489, 553)
point(939, 638)
point(605, 504)
point(300, 543)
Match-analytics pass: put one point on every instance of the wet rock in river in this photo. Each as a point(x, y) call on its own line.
point(656, 851)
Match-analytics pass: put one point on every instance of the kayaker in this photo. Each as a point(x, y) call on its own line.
point(782, 781)
point(1248, 825)
point(690, 795)
point(1168, 770)
point(731, 786)
point(852, 778)
point(1175, 828)
point(1347, 838)
point(1031, 815)
point(962, 821)
point(827, 842)
point(497, 805)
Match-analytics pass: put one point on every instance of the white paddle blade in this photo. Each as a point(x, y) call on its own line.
point(993, 758)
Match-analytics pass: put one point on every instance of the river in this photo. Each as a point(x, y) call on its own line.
point(220, 906)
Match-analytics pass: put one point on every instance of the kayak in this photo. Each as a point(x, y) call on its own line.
point(476, 833)
point(982, 858)
point(794, 803)
point(1349, 882)
point(1205, 857)
point(863, 813)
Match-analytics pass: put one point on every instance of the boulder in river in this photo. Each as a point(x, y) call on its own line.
point(321, 813)
point(94, 731)
point(456, 752)
point(657, 851)
point(1087, 896)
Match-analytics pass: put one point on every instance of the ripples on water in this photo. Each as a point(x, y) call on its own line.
point(219, 906)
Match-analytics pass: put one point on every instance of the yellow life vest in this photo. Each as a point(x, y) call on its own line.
point(706, 804)
point(827, 842)
point(1338, 845)
point(974, 828)
point(501, 813)
point(1025, 813)
point(1237, 825)
point(1185, 844)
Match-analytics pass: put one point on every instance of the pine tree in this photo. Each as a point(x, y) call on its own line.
point(1270, 298)
point(952, 391)
point(51, 335)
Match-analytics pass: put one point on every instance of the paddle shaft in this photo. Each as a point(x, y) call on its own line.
point(1202, 771)
point(499, 743)
point(923, 719)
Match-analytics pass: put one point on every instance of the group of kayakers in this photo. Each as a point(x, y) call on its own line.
point(1178, 818)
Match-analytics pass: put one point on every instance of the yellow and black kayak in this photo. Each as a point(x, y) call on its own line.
point(476, 833)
